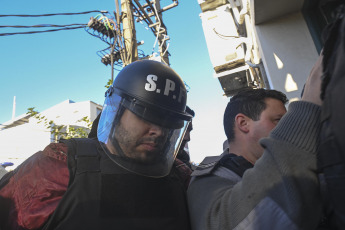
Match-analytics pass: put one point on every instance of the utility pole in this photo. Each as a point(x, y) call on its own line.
point(129, 34)
point(14, 108)
point(125, 17)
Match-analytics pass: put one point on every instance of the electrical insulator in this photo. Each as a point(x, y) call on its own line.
point(100, 27)
point(106, 59)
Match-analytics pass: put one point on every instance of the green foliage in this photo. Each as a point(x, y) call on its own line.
point(62, 131)
point(109, 83)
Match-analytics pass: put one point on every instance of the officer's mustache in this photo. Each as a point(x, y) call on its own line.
point(157, 141)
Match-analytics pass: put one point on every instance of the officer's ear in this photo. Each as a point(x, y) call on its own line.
point(242, 122)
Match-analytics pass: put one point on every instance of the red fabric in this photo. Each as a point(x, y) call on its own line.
point(183, 171)
point(37, 187)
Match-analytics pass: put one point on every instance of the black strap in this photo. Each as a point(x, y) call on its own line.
point(230, 161)
point(83, 156)
point(235, 163)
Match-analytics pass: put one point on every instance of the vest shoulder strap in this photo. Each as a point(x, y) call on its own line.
point(235, 163)
point(83, 156)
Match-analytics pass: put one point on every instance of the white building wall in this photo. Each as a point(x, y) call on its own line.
point(75, 112)
point(20, 142)
point(288, 53)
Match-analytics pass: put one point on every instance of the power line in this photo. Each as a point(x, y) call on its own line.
point(56, 14)
point(64, 27)
point(43, 31)
point(42, 25)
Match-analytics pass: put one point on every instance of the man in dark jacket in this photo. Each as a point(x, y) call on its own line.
point(123, 179)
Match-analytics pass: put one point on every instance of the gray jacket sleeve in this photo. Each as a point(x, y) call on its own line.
point(280, 192)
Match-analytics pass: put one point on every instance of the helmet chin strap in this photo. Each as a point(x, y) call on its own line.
point(118, 148)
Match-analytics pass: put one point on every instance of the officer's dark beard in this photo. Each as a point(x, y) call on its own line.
point(129, 144)
point(124, 143)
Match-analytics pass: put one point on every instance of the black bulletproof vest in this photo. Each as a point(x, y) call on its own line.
point(102, 195)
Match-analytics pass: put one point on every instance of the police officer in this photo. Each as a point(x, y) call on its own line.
point(125, 179)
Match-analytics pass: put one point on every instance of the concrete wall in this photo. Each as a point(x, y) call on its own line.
point(288, 52)
point(266, 10)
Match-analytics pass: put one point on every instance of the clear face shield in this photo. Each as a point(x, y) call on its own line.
point(139, 139)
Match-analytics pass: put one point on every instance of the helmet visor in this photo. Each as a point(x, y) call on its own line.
point(135, 143)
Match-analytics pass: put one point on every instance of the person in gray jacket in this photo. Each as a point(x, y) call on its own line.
point(281, 190)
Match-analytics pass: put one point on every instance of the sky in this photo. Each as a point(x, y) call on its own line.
point(42, 70)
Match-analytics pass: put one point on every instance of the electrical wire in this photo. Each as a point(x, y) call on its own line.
point(115, 42)
point(161, 30)
point(57, 14)
point(42, 25)
point(187, 86)
point(43, 31)
point(166, 49)
point(158, 31)
point(105, 21)
point(63, 27)
point(224, 36)
point(118, 39)
point(141, 53)
point(141, 17)
point(104, 37)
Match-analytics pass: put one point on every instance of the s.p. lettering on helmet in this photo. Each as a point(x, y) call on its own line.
point(169, 88)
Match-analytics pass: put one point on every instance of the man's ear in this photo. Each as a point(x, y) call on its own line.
point(242, 122)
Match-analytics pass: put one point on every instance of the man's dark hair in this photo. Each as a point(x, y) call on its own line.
point(250, 102)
